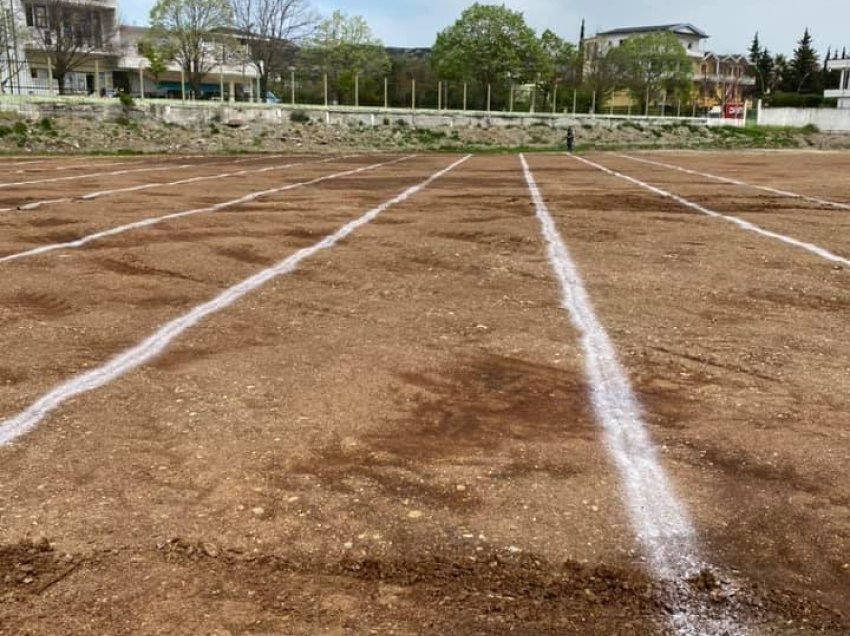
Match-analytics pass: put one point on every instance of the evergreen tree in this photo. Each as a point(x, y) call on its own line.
point(805, 67)
point(755, 49)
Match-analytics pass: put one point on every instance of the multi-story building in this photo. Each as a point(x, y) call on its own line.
point(842, 93)
point(718, 79)
point(80, 33)
point(37, 36)
point(228, 67)
point(690, 36)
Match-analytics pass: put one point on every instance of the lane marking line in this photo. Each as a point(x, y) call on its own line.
point(75, 177)
point(737, 182)
point(744, 225)
point(28, 207)
point(663, 527)
point(155, 220)
point(132, 358)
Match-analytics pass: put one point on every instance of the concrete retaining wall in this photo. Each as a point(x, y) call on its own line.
point(189, 113)
point(826, 119)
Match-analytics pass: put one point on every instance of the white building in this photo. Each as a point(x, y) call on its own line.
point(690, 36)
point(29, 30)
point(842, 93)
point(103, 55)
point(228, 68)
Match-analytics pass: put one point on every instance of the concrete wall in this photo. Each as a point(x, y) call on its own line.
point(189, 113)
point(826, 119)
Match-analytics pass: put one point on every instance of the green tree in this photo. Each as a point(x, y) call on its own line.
point(651, 65)
point(804, 66)
point(488, 44)
point(344, 48)
point(783, 80)
point(559, 64)
point(158, 55)
point(761, 66)
point(192, 29)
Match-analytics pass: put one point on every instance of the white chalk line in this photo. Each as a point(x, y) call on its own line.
point(662, 525)
point(738, 182)
point(28, 207)
point(745, 225)
point(25, 421)
point(75, 177)
point(71, 167)
point(155, 220)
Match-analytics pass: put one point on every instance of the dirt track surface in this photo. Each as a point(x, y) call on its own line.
point(397, 437)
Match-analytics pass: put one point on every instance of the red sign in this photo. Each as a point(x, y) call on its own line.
point(733, 111)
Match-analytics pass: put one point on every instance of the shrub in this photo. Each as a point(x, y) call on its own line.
point(5, 131)
point(20, 128)
point(122, 120)
point(299, 117)
point(126, 100)
point(46, 124)
point(810, 129)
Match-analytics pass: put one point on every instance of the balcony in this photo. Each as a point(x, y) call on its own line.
point(726, 79)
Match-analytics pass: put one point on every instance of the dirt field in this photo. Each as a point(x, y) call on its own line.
point(398, 437)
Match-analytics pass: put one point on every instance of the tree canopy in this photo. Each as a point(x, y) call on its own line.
point(650, 64)
point(189, 27)
point(487, 44)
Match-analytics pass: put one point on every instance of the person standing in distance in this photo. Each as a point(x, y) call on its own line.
point(571, 139)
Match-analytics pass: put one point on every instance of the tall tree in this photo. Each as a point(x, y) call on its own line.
point(804, 66)
point(652, 64)
point(488, 44)
point(559, 63)
point(193, 31)
point(344, 47)
point(783, 79)
point(70, 34)
point(761, 65)
point(274, 29)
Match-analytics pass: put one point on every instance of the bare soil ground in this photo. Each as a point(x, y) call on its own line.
point(397, 438)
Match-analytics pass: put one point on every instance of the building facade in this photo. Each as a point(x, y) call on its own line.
point(38, 36)
point(842, 93)
point(717, 79)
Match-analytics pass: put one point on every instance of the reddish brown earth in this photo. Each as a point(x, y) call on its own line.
point(396, 438)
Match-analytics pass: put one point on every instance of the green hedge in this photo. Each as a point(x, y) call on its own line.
point(799, 100)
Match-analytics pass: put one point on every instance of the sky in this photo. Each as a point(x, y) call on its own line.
point(730, 23)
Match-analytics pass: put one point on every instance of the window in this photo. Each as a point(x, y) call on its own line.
point(690, 46)
point(40, 16)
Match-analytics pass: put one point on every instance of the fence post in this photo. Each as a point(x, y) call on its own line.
point(357, 90)
point(464, 96)
point(325, 82)
point(575, 100)
point(50, 76)
point(97, 78)
point(292, 84)
point(489, 96)
point(141, 80)
point(439, 95)
point(647, 101)
point(679, 109)
point(413, 94)
point(446, 96)
point(183, 83)
point(555, 99)
point(512, 98)
point(386, 95)
point(593, 104)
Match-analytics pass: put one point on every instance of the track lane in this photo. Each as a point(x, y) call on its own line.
point(349, 402)
point(734, 351)
point(822, 233)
